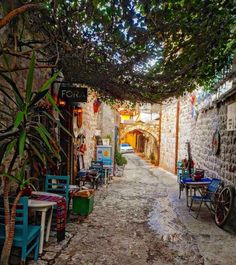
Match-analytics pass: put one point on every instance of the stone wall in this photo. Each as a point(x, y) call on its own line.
point(88, 128)
point(199, 131)
point(108, 124)
point(168, 136)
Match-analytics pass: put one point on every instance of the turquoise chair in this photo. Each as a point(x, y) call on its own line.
point(208, 197)
point(182, 175)
point(26, 236)
point(58, 185)
point(98, 166)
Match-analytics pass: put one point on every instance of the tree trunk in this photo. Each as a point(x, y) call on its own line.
point(8, 244)
point(6, 251)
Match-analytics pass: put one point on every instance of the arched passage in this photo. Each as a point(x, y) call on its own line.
point(143, 142)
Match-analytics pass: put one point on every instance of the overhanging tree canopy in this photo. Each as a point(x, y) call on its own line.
point(137, 50)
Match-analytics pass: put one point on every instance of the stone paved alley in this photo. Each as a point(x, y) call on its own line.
point(139, 219)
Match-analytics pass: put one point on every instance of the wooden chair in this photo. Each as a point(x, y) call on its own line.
point(26, 236)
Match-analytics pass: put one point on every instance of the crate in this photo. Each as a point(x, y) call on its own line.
point(83, 205)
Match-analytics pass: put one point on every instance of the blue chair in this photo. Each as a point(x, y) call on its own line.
point(182, 176)
point(26, 236)
point(58, 185)
point(207, 197)
point(108, 162)
point(98, 166)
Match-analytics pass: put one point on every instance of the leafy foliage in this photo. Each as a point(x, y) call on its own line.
point(24, 137)
point(139, 50)
point(120, 159)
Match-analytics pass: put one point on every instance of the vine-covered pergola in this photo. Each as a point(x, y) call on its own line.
point(134, 50)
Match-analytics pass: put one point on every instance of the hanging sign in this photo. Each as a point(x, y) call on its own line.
point(71, 94)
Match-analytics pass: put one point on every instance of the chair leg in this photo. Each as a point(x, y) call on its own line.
point(49, 224)
point(199, 209)
point(36, 251)
point(23, 253)
point(191, 205)
point(179, 191)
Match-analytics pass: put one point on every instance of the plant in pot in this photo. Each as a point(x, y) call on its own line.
point(120, 161)
point(152, 158)
point(24, 141)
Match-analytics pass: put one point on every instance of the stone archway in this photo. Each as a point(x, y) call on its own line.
point(144, 137)
point(149, 128)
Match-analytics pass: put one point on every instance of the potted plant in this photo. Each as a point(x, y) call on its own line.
point(24, 141)
point(120, 161)
point(106, 140)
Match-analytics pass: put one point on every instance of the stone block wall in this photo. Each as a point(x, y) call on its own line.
point(199, 131)
point(88, 128)
point(168, 136)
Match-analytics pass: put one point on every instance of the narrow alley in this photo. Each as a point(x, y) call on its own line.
point(138, 219)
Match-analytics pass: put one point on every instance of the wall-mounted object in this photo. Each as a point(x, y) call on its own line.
point(79, 113)
point(61, 103)
point(96, 104)
point(72, 93)
point(216, 142)
point(231, 117)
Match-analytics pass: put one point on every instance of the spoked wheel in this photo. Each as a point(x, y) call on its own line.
point(224, 205)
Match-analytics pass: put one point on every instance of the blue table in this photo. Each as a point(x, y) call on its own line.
point(192, 184)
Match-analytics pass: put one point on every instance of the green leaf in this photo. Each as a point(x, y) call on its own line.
point(3, 147)
point(19, 119)
point(49, 82)
point(9, 148)
point(19, 99)
point(46, 132)
point(30, 77)
point(58, 123)
point(96, 3)
point(7, 95)
point(38, 96)
point(22, 139)
point(37, 153)
point(44, 137)
point(52, 101)
point(12, 178)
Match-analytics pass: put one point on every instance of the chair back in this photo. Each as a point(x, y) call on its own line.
point(58, 185)
point(214, 185)
point(107, 162)
point(21, 224)
point(96, 164)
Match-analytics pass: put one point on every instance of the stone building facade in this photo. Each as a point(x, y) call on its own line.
point(198, 129)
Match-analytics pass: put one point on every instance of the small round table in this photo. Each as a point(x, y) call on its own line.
point(43, 207)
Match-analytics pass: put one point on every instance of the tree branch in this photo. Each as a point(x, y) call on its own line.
point(20, 10)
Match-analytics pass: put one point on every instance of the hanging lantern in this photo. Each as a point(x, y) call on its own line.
point(61, 103)
point(96, 104)
point(78, 110)
point(79, 113)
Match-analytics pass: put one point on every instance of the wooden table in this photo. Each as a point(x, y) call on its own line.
point(191, 184)
point(43, 207)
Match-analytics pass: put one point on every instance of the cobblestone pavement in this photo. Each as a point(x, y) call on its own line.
point(137, 220)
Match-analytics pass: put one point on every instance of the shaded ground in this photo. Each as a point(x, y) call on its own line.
point(138, 219)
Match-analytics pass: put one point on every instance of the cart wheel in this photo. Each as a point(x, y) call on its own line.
point(224, 205)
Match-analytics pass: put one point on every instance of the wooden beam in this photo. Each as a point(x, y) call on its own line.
point(177, 135)
point(159, 139)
